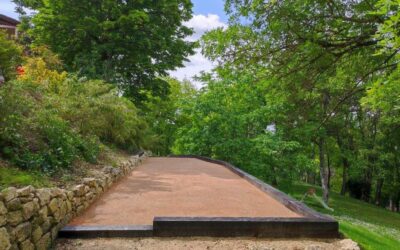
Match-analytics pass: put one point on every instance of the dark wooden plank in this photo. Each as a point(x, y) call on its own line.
point(105, 231)
point(244, 227)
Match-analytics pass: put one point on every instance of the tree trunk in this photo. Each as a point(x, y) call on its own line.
point(344, 176)
point(367, 185)
point(323, 170)
point(314, 175)
point(391, 203)
point(274, 180)
point(378, 191)
point(345, 162)
point(329, 168)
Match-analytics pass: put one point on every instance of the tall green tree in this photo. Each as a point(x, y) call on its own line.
point(165, 115)
point(322, 56)
point(130, 43)
point(388, 33)
point(383, 101)
point(230, 119)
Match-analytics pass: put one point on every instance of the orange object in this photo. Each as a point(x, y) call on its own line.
point(20, 70)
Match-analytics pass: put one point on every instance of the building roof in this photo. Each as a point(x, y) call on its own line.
point(8, 19)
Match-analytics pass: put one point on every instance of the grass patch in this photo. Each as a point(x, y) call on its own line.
point(367, 239)
point(372, 227)
point(63, 178)
point(10, 176)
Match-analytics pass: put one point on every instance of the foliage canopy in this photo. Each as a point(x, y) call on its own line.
point(129, 43)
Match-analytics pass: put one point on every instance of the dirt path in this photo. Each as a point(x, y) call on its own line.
point(203, 243)
point(180, 187)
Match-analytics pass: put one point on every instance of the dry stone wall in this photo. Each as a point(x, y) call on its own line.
point(31, 218)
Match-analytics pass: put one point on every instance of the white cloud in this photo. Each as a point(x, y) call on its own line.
point(202, 24)
point(194, 66)
point(197, 62)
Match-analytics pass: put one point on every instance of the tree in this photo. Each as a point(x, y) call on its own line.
point(165, 116)
point(228, 120)
point(321, 55)
point(10, 57)
point(383, 101)
point(388, 31)
point(130, 43)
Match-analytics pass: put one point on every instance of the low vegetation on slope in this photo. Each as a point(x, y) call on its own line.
point(370, 226)
point(50, 119)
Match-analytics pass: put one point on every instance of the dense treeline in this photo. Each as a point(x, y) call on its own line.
point(308, 90)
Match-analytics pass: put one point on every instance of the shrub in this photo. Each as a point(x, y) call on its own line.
point(47, 120)
point(95, 108)
point(37, 72)
point(33, 136)
point(10, 57)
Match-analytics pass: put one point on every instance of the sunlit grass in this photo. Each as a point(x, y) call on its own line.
point(366, 238)
point(372, 227)
point(14, 177)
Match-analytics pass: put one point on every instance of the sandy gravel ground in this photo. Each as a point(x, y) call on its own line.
point(203, 243)
point(180, 187)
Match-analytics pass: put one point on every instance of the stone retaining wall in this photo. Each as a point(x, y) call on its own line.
point(30, 218)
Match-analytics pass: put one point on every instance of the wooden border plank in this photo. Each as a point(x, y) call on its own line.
point(105, 231)
point(244, 227)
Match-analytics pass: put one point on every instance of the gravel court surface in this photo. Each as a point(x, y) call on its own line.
point(180, 187)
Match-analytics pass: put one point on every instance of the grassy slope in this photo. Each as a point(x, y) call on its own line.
point(372, 227)
point(10, 176)
point(15, 177)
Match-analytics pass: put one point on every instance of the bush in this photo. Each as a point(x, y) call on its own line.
point(95, 108)
point(32, 136)
point(10, 57)
point(47, 120)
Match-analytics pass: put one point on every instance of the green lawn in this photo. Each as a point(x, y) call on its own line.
point(370, 226)
point(10, 176)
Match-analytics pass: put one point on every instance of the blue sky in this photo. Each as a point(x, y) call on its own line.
point(208, 14)
point(209, 7)
point(200, 7)
point(7, 8)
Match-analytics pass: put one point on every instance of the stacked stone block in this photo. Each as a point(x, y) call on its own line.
point(31, 218)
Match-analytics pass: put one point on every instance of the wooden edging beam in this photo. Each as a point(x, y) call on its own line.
point(105, 231)
point(244, 227)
